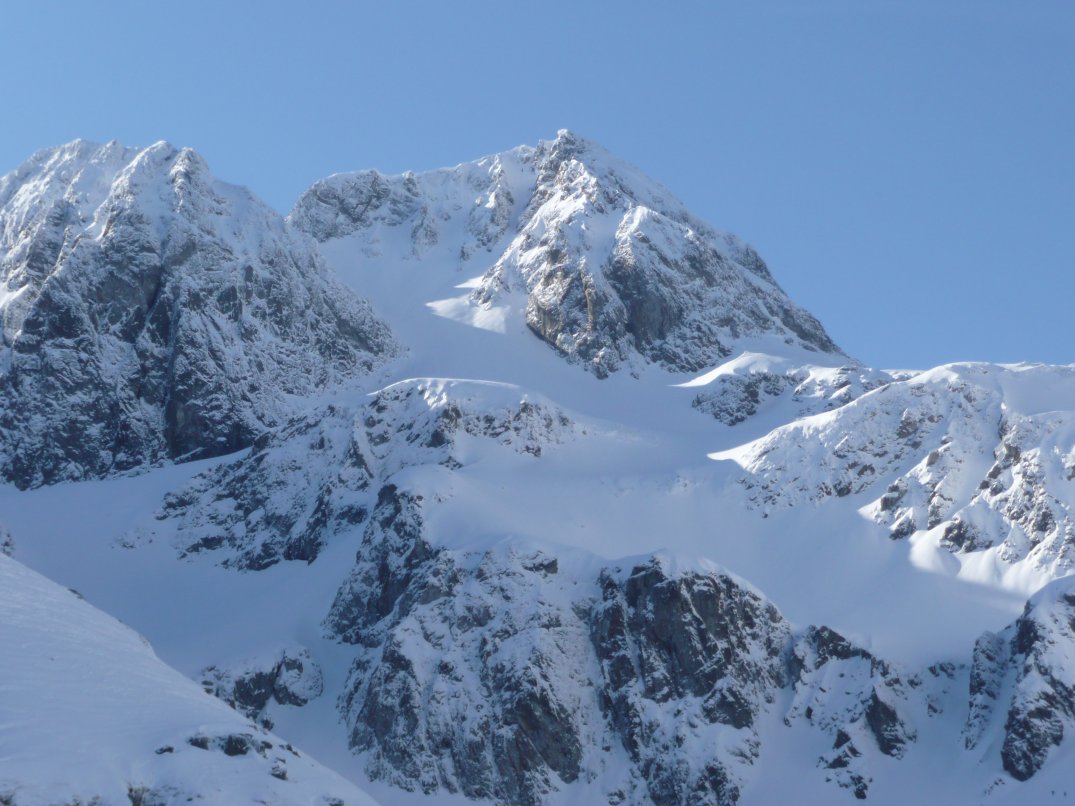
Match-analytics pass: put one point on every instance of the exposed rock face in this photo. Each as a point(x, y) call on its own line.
point(492, 674)
point(311, 479)
point(1023, 683)
point(151, 312)
point(981, 453)
point(613, 270)
point(288, 678)
point(505, 674)
point(702, 642)
point(449, 692)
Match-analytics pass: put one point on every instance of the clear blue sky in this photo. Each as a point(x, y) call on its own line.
point(906, 168)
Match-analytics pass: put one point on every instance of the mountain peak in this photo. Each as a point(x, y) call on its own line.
point(150, 312)
point(607, 169)
point(568, 142)
point(575, 245)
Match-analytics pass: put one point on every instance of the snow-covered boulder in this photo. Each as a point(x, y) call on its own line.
point(256, 686)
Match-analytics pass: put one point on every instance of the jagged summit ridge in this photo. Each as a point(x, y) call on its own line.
point(591, 255)
point(152, 312)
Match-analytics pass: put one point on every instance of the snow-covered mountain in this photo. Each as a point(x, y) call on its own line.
point(489, 537)
point(151, 312)
point(598, 260)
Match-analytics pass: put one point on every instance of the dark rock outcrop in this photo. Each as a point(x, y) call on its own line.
point(700, 645)
point(1023, 683)
point(289, 678)
point(487, 674)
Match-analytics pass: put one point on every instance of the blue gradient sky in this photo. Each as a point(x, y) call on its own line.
point(907, 169)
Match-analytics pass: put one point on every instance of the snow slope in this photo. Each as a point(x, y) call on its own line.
point(89, 714)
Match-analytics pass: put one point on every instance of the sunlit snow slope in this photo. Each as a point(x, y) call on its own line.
point(88, 714)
